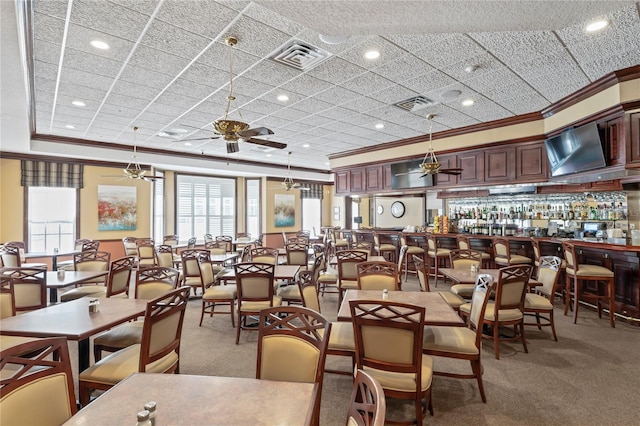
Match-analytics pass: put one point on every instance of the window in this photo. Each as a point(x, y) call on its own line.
point(355, 212)
point(311, 212)
point(253, 207)
point(52, 218)
point(206, 205)
point(158, 208)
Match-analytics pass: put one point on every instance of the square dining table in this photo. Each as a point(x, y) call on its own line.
point(281, 272)
point(202, 400)
point(52, 254)
point(73, 321)
point(70, 278)
point(467, 276)
point(437, 310)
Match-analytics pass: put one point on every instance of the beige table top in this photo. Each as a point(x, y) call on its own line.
point(465, 276)
point(281, 272)
point(71, 278)
point(222, 258)
point(437, 310)
point(334, 259)
point(202, 400)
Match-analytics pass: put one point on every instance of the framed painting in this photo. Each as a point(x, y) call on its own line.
point(117, 208)
point(284, 211)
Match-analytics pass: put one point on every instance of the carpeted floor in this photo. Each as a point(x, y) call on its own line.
point(591, 376)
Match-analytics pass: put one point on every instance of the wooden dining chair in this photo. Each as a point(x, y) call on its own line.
point(165, 256)
point(503, 256)
point(364, 246)
point(37, 383)
point(291, 293)
point(91, 261)
point(191, 272)
point(146, 252)
point(154, 282)
point(254, 282)
point(368, 405)
point(465, 259)
point(157, 352)
point(292, 345)
point(7, 297)
point(436, 256)
point(130, 246)
point(214, 293)
point(347, 271)
point(377, 276)
point(540, 302)
point(29, 287)
point(171, 240)
point(452, 299)
point(12, 255)
point(388, 337)
point(463, 342)
point(264, 255)
point(227, 240)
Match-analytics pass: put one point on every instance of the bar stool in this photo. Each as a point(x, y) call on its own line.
point(413, 243)
point(502, 254)
point(584, 272)
point(438, 255)
point(464, 243)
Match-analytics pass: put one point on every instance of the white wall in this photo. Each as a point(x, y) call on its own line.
point(414, 212)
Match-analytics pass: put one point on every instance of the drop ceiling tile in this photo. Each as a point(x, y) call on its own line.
point(297, 127)
point(261, 106)
point(64, 106)
point(169, 110)
point(600, 66)
point(79, 38)
point(363, 104)
point(217, 56)
point(80, 92)
point(428, 82)
point(185, 87)
point(620, 20)
point(171, 39)
point(89, 63)
point(177, 100)
point(57, 9)
point(154, 59)
point(388, 52)
point(161, 119)
point(138, 91)
point(291, 114)
point(48, 28)
point(525, 104)
point(92, 14)
point(205, 18)
point(306, 85)
point(46, 52)
point(146, 7)
point(336, 113)
point(336, 70)
point(120, 111)
point(367, 83)
point(255, 89)
point(336, 95)
point(484, 63)
point(393, 94)
point(145, 77)
point(517, 46)
point(255, 37)
point(404, 68)
point(312, 105)
point(316, 120)
point(414, 42)
point(455, 48)
point(271, 73)
point(45, 85)
point(272, 19)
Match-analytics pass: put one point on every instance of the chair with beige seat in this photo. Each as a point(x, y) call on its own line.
point(29, 287)
point(165, 256)
point(12, 255)
point(452, 299)
point(254, 282)
point(264, 255)
point(463, 342)
point(191, 272)
point(292, 345)
point(7, 298)
point(364, 246)
point(377, 276)
point(368, 405)
point(130, 246)
point(157, 352)
point(242, 238)
point(464, 259)
point(464, 243)
point(436, 256)
point(146, 252)
point(416, 244)
point(388, 338)
point(577, 273)
point(503, 256)
point(298, 254)
point(328, 278)
point(347, 271)
point(227, 240)
point(94, 261)
point(291, 293)
point(155, 281)
point(37, 383)
point(541, 302)
point(402, 255)
point(81, 244)
point(388, 245)
point(215, 294)
point(508, 307)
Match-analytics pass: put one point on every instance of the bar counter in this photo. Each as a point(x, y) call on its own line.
point(623, 260)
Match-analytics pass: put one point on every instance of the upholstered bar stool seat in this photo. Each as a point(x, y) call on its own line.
point(503, 256)
point(515, 259)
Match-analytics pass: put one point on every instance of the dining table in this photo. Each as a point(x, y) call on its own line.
point(70, 278)
point(202, 400)
point(281, 272)
point(74, 321)
point(223, 259)
point(437, 310)
point(467, 276)
point(52, 254)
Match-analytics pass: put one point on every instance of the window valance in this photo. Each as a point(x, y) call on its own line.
point(50, 173)
point(315, 191)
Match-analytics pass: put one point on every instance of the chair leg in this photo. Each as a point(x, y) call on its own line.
point(612, 302)
point(476, 367)
point(240, 317)
point(232, 307)
point(202, 313)
point(522, 338)
point(567, 294)
point(576, 297)
point(84, 394)
point(496, 340)
point(553, 325)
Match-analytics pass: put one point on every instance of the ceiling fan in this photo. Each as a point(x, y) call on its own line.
point(430, 164)
point(133, 169)
point(233, 131)
point(288, 184)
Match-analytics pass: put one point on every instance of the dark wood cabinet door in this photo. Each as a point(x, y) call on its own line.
point(447, 161)
point(387, 176)
point(342, 182)
point(531, 162)
point(472, 165)
point(499, 165)
point(357, 180)
point(633, 153)
point(373, 179)
point(614, 141)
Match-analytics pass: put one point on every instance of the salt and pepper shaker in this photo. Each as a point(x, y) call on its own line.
point(151, 408)
point(143, 418)
point(61, 273)
point(94, 306)
point(385, 294)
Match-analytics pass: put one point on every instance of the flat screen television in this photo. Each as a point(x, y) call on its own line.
point(575, 150)
point(409, 178)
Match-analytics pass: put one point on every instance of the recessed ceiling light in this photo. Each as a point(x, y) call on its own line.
point(372, 54)
point(306, 145)
point(380, 126)
point(333, 39)
point(70, 126)
point(99, 45)
point(179, 130)
point(596, 25)
point(468, 102)
point(268, 155)
point(470, 68)
point(451, 94)
point(327, 163)
point(78, 103)
point(187, 144)
point(283, 98)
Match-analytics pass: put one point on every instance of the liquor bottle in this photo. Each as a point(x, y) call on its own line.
point(572, 214)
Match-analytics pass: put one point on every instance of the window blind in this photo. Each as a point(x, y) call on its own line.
point(315, 191)
point(53, 174)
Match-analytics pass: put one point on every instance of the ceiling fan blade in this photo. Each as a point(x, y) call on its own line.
point(232, 147)
point(256, 131)
point(152, 178)
point(264, 142)
point(197, 139)
point(407, 173)
point(450, 171)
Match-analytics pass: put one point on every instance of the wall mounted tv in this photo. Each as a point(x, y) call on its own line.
point(410, 173)
point(575, 150)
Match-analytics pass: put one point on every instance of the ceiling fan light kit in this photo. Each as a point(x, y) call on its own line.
point(134, 169)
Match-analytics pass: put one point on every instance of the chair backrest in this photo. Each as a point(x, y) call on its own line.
point(130, 246)
point(146, 252)
point(254, 282)
point(240, 235)
point(191, 243)
point(297, 254)
point(377, 276)
point(164, 256)
point(155, 281)
point(368, 405)
point(536, 250)
point(548, 273)
point(297, 240)
point(402, 254)
point(347, 261)
point(91, 261)
point(10, 256)
point(413, 240)
point(170, 240)
point(227, 239)
point(208, 237)
point(7, 298)
point(463, 242)
point(119, 276)
point(37, 383)
point(511, 287)
point(191, 270)
point(465, 258)
point(421, 271)
point(388, 336)
point(162, 329)
point(292, 347)
point(21, 249)
point(29, 287)
point(364, 246)
point(479, 298)
point(501, 248)
point(264, 255)
point(216, 247)
point(90, 245)
point(245, 254)
point(308, 291)
point(570, 257)
point(432, 243)
point(77, 245)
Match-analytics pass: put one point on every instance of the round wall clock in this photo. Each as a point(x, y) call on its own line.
point(380, 209)
point(397, 209)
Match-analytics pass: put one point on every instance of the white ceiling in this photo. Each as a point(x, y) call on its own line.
point(167, 68)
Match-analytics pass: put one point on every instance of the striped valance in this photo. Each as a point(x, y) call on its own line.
point(315, 191)
point(48, 173)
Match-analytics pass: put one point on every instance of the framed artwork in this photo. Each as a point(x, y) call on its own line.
point(336, 213)
point(284, 211)
point(117, 208)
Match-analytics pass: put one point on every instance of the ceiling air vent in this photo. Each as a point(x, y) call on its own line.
point(300, 55)
point(415, 104)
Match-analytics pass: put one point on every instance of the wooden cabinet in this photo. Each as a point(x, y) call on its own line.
point(357, 181)
point(342, 182)
point(531, 162)
point(387, 176)
point(633, 144)
point(447, 161)
point(472, 165)
point(612, 134)
point(499, 164)
point(373, 178)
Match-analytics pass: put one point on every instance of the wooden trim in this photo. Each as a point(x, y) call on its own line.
point(97, 163)
point(463, 194)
